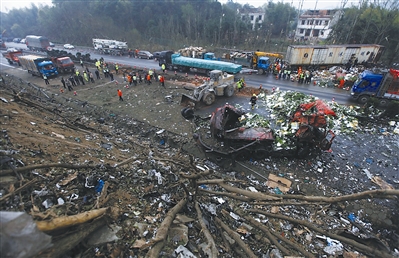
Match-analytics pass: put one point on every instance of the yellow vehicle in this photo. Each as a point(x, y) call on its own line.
point(256, 55)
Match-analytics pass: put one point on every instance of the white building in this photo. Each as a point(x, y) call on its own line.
point(255, 16)
point(316, 24)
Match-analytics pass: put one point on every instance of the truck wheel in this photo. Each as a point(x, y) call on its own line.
point(9, 61)
point(208, 98)
point(229, 91)
point(384, 102)
point(363, 99)
point(261, 71)
point(187, 113)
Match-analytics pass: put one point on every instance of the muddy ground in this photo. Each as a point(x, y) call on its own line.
point(42, 125)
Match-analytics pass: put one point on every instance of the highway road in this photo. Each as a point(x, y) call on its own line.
point(253, 80)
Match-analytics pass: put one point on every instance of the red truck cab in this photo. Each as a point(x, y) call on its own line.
point(12, 56)
point(64, 64)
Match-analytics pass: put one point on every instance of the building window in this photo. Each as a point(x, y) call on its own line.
point(326, 22)
point(321, 33)
point(252, 17)
point(260, 18)
point(303, 22)
point(301, 31)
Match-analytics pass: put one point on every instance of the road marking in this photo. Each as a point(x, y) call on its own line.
point(8, 65)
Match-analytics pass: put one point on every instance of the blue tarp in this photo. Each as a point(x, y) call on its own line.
point(205, 64)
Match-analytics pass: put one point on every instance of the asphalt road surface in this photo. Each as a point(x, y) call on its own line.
point(252, 80)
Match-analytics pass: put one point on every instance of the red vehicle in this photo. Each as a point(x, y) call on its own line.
point(12, 56)
point(64, 64)
point(236, 141)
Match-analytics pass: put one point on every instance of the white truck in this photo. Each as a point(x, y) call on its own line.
point(110, 46)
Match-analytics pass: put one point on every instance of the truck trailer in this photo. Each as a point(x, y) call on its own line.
point(185, 64)
point(39, 43)
point(324, 56)
point(384, 86)
point(38, 65)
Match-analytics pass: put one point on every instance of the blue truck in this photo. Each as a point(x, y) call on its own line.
point(185, 64)
point(38, 65)
point(384, 86)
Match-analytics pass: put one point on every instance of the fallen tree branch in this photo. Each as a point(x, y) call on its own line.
point(18, 190)
point(50, 165)
point(163, 229)
point(356, 245)
point(196, 175)
point(67, 243)
point(255, 196)
point(126, 161)
point(230, 195)
point(236, 238)
point(67, 221)
point(266, 231)
point(388, 193)
point(217, 181)
point(210, 249)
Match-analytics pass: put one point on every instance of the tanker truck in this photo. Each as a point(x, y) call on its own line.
point(185, 64)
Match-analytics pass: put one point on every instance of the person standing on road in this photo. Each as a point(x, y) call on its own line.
point(81, 62)
point(253, 101)
point(63, 82)
point(163, 66)
point(97, 74)
point(148, 79)
point(120, 95)
point(162, 81)
point(68, 84)
point(45, 79)
point(91, 76)
point(135, 80)
point(116, 68)
point(72, 80)
point(86, 76)
point(81, 79)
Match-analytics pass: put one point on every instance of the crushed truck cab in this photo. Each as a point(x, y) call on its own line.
point(230, 138)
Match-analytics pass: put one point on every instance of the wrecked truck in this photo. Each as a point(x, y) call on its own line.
point(230, 138)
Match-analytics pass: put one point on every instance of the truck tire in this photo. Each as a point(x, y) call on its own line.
point(383, 102)
point(208, 98)
point(229, 91)
point(9, 61)
point(261, 71)
point(187, 113)
point(363, 99)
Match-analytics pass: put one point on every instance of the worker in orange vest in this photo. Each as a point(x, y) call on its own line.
point(162, 81)
point(120, 95)
point(148, 79)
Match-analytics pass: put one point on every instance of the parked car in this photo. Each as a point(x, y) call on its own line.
point(145, 54)
point(157, 55)
point(16, 40)
point(52, 44)
point(69, 46)
point(23, 41)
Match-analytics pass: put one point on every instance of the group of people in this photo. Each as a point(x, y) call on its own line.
point(138, 78)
